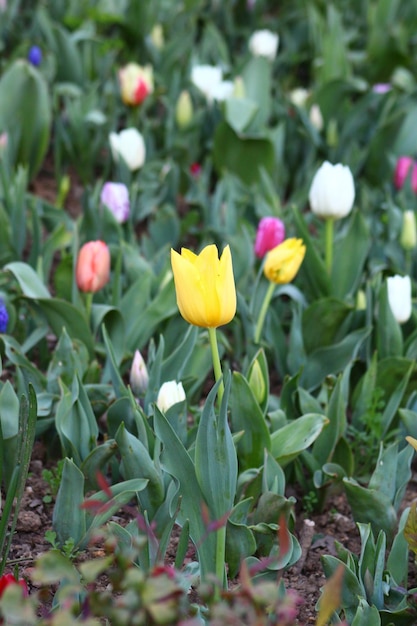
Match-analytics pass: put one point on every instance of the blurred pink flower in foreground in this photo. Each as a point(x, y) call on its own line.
point(9, 579)
point(93, 266)
point(270, 233)
point(402, 170)
point(116, 198)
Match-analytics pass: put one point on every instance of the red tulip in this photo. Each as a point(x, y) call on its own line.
point(9, 579)
point(402, 171)
point(93, 266)
point(271, 232)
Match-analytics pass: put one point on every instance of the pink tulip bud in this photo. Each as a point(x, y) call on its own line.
point(402, 170)
point(271, 232)
point(93, 266)
point(116, 198)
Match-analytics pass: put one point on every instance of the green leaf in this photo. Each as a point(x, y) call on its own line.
point(214, 440)
point(61, 314)
point(29, 281)
point(355, 244)
point(243, 156)
point(351, 589)
point(239, 112)
point(137, 463)
point(370, 506)
point(68, 518)
point(256, 75)
point(328, 314)
point(298, 435)
point(332, 359)
point(177, 462)
point(312, 271)
point(111, 318)
point(247, 416)
point(53, 567)
point(389, 335)
point(325, 444)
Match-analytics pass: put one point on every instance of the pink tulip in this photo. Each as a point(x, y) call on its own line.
point(271, 232)
point(93, 266)
point(402, 171)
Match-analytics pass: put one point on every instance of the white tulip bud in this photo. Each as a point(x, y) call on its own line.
point(399, 297)
point(169, 394)
point(332, 191)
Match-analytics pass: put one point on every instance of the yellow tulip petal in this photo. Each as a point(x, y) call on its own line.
point(204, 284)
point(283, 262)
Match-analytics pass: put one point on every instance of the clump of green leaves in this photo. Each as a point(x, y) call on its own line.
point(53, 478)
point(366, 436)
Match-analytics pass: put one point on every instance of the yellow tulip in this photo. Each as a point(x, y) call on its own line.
point(283, 262)
point(205, 286)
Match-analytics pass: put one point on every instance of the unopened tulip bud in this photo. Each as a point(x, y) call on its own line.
point(361, 300)
point(332, 135)
point(257, 382)
point(130, 146)
point(139, 377)
point(409, 232)
point(169, 394)
point(184, 110)
point(239, 90)
point(93, 266)
point(264, 43)
point(157, 36)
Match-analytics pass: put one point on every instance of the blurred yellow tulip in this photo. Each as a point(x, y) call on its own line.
point(283, 262)
point(205, 286)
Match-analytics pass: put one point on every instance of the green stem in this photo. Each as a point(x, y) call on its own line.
point(216, 361)
point(88, 304)
point(262, 312)
point(220, 554)
point(329, 244)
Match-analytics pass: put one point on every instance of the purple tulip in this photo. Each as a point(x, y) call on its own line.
point(271, 232)
point(35, 56)
point(115, 196)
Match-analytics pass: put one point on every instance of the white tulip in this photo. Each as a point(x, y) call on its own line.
point(264, 43)
point(332, 191)
point(223, 90)
point(399, 297)
point(299, 96)
point(169, 394)
point(207, 78)
point(130, 146)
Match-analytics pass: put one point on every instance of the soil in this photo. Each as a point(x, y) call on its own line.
point(317, 535)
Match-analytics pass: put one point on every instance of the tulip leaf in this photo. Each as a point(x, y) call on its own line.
point(312, 272)
point(240, 112)
point(243, 156)
point(389, 335)
point(136, 463)
point(298, 435)
point(326, 443)
point(29, 281)
point(247, 416)
point(176, 461)
point(256, 75)
point(371, 507)
point(143, 317)
point(354, 244)
point(69, 519)
point(332, 359)
point(328, 314)
point(61, 314)
point(214, 441)
point(113, 321)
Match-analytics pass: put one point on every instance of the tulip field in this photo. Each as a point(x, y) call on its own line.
point(208, 320)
